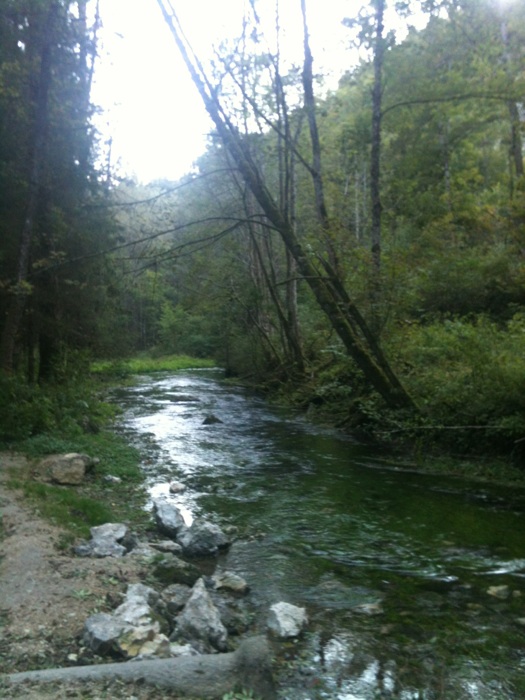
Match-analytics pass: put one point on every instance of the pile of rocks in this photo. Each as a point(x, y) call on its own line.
point(191, 613)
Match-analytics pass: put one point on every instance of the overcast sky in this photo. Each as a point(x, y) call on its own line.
point(151, 108)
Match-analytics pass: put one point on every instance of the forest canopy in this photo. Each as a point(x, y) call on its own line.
point(360, 249)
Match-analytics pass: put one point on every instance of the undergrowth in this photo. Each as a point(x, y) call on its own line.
point(146, 364)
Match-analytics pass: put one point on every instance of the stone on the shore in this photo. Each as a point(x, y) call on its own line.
point(170, 569)
point(168, 546)
point(200, 622)
point(132, 630)
point(143, 641)
point(136, 610)
point(105, 541)
point(168, 517)
point(101, 632)
point(286, 620)
point(67, 469)
point(203, 539)
point(177, 650)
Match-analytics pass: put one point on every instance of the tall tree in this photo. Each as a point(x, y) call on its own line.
point(324, 282)
point(19, 291)
point(47, 167)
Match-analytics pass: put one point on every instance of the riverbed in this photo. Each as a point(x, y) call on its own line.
point(414, 584)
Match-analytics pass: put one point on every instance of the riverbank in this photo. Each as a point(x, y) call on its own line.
point(47, 594)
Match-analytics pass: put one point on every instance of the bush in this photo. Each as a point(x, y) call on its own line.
point(27, 410)
point(24, 410)
point(469, 373)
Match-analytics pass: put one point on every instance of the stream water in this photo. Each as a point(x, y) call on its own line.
point(414, 584)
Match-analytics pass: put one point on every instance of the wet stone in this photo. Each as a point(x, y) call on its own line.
point(203, 539)
point(169, 518)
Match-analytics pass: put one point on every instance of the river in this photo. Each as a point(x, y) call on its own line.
point(414, 584)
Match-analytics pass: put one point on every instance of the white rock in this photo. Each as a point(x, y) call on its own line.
point(177, 487)
point(286, 620)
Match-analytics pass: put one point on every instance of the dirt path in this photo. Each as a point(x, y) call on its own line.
point(46, 594)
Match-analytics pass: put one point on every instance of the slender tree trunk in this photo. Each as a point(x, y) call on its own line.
point(317, 178)
point(21, 289)
point(516, 145)
point(375, 165)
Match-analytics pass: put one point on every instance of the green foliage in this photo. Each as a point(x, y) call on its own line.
point(186, 333)
point(24, 410)
point(476, 280)
point(65, 507)
point(468, 375)
point(146, 364)
point(28, 410)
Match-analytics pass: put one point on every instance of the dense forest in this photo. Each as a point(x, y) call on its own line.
point(360, 251)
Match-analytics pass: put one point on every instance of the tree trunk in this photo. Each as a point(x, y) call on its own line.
point(309, 106)
point(375, 165)
point(516, 145)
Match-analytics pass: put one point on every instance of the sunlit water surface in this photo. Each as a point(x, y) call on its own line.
point(397, 570)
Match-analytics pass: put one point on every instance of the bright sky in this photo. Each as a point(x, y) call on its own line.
point(151, 108)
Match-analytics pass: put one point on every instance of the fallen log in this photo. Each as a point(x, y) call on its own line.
point(205, 676)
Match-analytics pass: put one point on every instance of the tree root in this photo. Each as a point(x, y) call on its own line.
point(206, 676)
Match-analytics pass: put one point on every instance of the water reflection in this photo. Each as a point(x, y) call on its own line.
point(395, 568)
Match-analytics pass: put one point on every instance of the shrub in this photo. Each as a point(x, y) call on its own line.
point(469, 373)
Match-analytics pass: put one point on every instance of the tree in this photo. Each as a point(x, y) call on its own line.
point(51, 186)
point(322, 278)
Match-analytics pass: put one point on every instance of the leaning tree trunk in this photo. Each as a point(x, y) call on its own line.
point(325, 283)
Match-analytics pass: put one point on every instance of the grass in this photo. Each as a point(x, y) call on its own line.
point(116, 456)
point(64, 507)
point(146, 365)
point(96, 501)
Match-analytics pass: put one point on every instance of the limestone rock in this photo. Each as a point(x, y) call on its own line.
point(168, 517)
point(105, 541)
point(177, 487)
point(143, 641)
point(68, 469)
point(286, 620)
point(101, 632)
point(175, 597)
point(167, 546)
point(227, 580)
point(200, 622)
point(132, 630)
point(203, 539)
